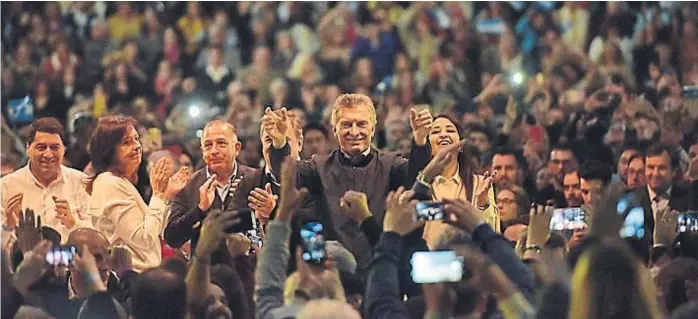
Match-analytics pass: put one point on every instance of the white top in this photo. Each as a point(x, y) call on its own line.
point(119, 212)
point(68, 186)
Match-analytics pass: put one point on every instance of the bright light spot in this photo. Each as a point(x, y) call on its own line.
point(199, 133)
point(517, 78)
point(194, 111)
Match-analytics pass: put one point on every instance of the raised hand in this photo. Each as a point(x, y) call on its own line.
point(355, 205)
point(439, 162)
point(177, 182)
point(291, 197)
point(14, 210)
point(32, 268)
point(207, 193)
point(160, 176)
point(276, 125)
point(539, 224)
point(262, 202)
point(63, 212)
point(29, 231)
point(213, 230)
point(86, 267)
point(238, 244)
point(462, 214)
point(483, 188)
point(421, 125)
point(399, 214)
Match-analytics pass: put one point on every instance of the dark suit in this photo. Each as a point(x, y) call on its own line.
point(259, 179)
point(186, 218)
point(678, 200)
point(328, 177)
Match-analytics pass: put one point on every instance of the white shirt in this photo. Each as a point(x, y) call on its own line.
point(69, 185)
point(119, 212)
point(658, 205)
point(223, 190)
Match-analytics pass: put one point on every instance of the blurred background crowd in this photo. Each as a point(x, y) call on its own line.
point(176, 65)
point(560, 99)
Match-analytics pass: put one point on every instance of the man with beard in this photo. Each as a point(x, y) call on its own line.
point(354, 166)
point(572, 189)
point(55, 192)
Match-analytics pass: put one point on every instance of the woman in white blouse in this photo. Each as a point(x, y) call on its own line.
point(116, 207)
point(458, 180)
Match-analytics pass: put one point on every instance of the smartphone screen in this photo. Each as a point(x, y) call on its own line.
point(428, 211)
point(61, 255)
point(687, 222)
point(568, 219)
point(436, 266)
point(313, 242)
point(634, 224)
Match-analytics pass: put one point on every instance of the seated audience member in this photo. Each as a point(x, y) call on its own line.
point(117, 208)
point(56, 193)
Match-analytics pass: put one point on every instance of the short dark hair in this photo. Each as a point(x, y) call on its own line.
point(159, 294)
point(45, 125)
point(11, 160)
point(563, 146)
point(315, 127)
point(658, 149)
point(521, 160)
point(595, 170)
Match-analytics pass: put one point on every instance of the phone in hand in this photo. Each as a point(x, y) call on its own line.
point(568, 219)
point(687, 222)
point(436, 266)
point(313, 242)
point(62, 255)
point(429, 210)
point(246, 223)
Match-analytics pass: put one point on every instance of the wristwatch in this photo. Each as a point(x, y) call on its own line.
point(536, 248)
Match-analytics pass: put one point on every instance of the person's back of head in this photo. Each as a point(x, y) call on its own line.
point(159, 294)
point(672, 281)
point(609, 281)
point(327, 309)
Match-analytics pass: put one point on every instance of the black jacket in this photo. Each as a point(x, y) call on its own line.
point(328, 177)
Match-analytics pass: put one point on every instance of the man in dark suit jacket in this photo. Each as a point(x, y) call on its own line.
point(354, 166)
point(259, 191)
point(661, 167)
point(211, 187)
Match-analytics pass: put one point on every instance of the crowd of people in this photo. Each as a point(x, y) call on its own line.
point(349, 160)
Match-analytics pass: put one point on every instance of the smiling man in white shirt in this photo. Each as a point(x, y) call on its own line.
point(55, 192)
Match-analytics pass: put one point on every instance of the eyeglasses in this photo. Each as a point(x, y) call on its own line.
point(506, 201)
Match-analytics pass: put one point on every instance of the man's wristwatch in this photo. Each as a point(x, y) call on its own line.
point(535, 248)
point(483, 207)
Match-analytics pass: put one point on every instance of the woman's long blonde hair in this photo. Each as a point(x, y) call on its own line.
point(610, 282)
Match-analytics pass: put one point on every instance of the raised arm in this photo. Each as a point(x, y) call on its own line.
point(405, 172)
